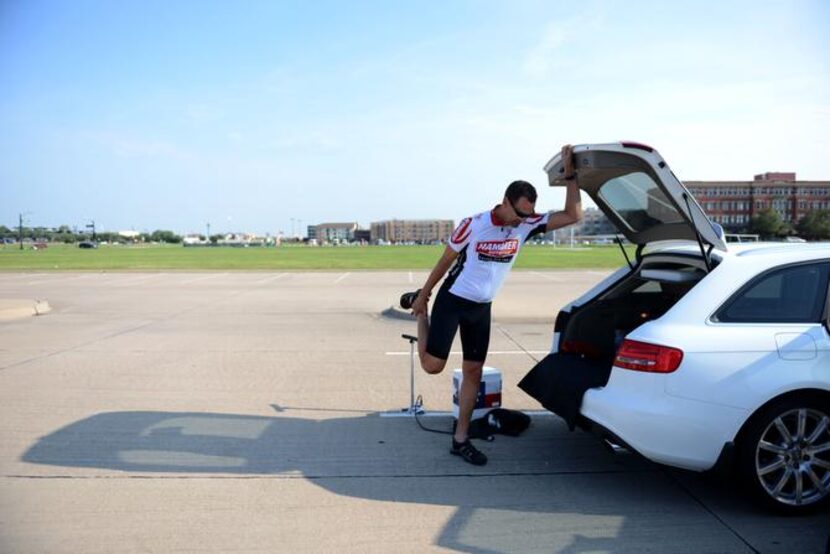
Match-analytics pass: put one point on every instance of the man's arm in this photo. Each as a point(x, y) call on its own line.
point(573, 204)
point(444, 263)
point(572, 212)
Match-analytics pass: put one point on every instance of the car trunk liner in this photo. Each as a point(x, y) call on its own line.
point(560, 380)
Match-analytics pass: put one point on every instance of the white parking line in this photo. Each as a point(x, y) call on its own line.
point(500, 352)
point(548, 277)
point(44, 281)
point(341, 278)
point(79, 277)
point(404, 413)
point(410, 276)
point(202, 278)
point(271, 278)
point(39, 281)
point(61, 279)
point(134, 280)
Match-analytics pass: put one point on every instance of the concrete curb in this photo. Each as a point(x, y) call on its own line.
point(17, 309)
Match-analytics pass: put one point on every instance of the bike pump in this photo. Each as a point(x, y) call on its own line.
point(415, 407)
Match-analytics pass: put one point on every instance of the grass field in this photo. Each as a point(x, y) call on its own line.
point(66, 257)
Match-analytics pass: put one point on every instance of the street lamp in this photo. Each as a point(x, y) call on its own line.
point(92, 226)
point(20, 229)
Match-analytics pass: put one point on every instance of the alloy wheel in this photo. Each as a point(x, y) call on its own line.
point(792, 458)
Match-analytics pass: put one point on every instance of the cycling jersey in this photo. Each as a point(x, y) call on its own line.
point(487, 249)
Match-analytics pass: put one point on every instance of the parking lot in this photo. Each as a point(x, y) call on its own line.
point(245, 411)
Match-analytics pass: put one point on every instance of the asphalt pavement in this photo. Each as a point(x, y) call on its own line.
point(249, 412)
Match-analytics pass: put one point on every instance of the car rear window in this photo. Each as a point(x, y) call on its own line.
point(638, 201)
point(795, 294)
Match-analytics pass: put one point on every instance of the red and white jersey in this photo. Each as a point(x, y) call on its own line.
point(487, 249)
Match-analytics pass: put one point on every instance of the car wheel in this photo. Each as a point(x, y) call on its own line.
point(784, 454)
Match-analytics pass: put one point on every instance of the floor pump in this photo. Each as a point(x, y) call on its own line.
point(415, 406)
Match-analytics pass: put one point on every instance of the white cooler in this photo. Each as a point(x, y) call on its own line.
point(489, 391)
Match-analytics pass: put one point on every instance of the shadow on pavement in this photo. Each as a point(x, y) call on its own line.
point(532, 496)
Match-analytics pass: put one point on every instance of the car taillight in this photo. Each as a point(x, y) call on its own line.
point(641, 356)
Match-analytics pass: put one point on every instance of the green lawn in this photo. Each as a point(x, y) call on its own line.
point(66, 257)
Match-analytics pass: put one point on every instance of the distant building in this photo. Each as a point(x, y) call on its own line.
point(131, 235)
point(334, 232)
point(363, 235)
point(733, 203)
point(421, 231)
point(311, 232)
point(594, 222)
point(192, 239)
point(240, 239)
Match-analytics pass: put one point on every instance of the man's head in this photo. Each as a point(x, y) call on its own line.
point(520, 201)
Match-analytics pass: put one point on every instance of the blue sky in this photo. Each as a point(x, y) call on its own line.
point(264, 116)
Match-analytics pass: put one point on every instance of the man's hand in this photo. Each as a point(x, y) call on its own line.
point(568, 160)
point(573, 204)
point(420, 304)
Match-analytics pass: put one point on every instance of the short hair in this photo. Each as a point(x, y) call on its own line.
point(520, 189)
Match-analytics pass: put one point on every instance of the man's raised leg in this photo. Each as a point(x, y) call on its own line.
point(429, 363)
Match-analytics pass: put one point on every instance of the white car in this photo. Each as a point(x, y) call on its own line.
point(696, 354)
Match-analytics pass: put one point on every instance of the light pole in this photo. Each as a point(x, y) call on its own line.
point(92, 226)
point(20, 228)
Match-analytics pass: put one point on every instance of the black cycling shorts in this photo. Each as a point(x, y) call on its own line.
point(451, 312)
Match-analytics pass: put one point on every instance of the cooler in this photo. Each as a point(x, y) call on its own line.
point(489, 392)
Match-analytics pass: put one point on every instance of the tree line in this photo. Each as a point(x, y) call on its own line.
point(815, 225)
point(66, 234)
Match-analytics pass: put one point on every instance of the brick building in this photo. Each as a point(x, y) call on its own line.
point(733, 203)
point(422, 231)
point(593, 223)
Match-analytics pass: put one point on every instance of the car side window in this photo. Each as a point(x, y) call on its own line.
point(794, 294)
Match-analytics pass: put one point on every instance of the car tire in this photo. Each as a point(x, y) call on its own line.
point(783, 455)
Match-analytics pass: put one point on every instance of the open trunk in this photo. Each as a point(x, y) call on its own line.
point(636, 190)
point(590, 334)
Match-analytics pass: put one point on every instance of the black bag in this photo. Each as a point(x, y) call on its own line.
point(508, 422)
point(499, 420)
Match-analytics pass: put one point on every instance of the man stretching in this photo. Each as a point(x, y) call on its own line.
point(483, 248)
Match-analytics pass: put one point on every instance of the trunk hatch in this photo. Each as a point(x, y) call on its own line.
point(637, 191)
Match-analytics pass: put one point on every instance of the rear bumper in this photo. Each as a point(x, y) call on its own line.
point(723, 466)
point(634, 411)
